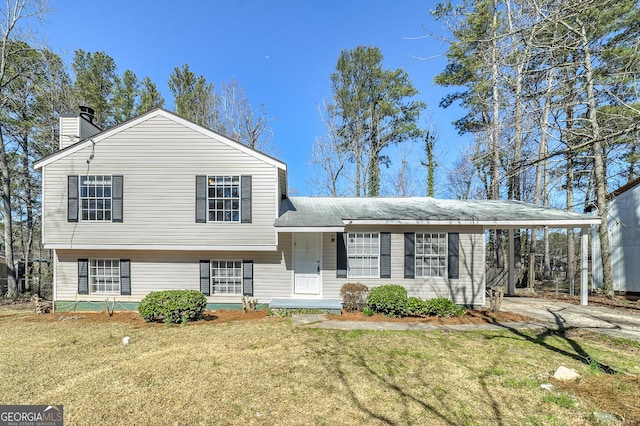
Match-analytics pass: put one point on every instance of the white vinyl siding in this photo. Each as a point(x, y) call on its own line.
point(363, 254)
point(467, 290)
point(104, 276)
point(160, 158)
point(226, 277)
point(273, 271)
point(431, 255)
point(157, 270)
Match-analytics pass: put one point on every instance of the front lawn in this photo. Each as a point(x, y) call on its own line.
point(266, 371)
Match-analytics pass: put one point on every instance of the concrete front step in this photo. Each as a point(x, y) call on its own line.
point(332, 306)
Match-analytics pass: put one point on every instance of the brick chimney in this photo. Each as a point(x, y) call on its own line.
point(74, 128)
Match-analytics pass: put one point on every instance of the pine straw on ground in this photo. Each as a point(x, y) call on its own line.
point(472, 316)
point(478, 316)
point(629, 302)
point(265, 371)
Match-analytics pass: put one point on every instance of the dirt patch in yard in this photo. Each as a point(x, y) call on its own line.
point(615, 394)
point(473, 316)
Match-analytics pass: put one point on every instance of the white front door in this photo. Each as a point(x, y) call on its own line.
point(307, 255)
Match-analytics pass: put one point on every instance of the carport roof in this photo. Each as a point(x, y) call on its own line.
point(300, 214)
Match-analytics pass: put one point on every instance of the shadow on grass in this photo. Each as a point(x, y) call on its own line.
point(579, 354)
point(444, 410)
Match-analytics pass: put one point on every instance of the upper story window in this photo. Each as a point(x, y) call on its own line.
point(363, 254)
point(104, 276)
point(431, 255)
point(95, 198)
point(224, 198)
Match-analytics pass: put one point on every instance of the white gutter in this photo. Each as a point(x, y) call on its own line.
point(166, 247)
point(504, 224)
point(310, 229)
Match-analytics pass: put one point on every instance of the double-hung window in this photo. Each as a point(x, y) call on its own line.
point(104, 276)
point(226, 277)
point(224, 198)
point(363, 254)
point(95, 198)
point(431, 255)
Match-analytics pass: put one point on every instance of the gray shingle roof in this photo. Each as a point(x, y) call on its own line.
point(317, 212)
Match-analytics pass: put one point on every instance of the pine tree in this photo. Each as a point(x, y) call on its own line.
point(375, 109)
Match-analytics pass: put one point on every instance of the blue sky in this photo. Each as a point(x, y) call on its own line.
point(282, 51)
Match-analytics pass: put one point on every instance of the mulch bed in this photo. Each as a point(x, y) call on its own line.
point(473, 316)
point(477, 316)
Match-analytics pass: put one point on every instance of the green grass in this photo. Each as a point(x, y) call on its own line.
point(270, 372)
point(562, 400)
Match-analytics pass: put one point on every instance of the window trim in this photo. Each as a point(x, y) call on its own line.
point(240, 277)
point(445, 241)
point(82, 179)
point(239, 198)
point(91, 276)
point(377, 254)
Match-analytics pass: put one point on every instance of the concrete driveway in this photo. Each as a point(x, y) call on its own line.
point(599, 319)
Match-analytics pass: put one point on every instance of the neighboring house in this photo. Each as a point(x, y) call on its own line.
point(159, 202)
point(623, 225)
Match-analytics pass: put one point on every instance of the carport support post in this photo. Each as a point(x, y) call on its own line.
point(512, 263)
point(584, 268)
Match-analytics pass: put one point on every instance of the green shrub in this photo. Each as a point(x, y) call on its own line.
point(417, 306)
point(442, 307)
point(354, 296)
point(367, 311)
point(172, 306)
point(390, 300)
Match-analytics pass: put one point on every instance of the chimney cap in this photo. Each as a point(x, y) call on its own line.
point(87, 112)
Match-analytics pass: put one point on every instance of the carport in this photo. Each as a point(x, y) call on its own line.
point(513, 215)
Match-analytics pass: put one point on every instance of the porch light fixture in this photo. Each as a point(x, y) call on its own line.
point(333, 238)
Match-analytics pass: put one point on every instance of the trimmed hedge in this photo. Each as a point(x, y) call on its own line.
point(417, 307)
point(175, 306)
point(443, 307)
point(390, 300)
point(354, 296)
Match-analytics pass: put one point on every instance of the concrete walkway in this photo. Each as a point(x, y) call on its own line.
point(546, 313)
point(599, 319)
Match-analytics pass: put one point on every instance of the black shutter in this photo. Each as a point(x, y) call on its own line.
point(205, 277)
point(125, 277)
point(247, 277)
point(245, 202)
point(201, 199)
point(341, 258)
point(453, 258)
point(409, 255)
point(72, 199)
point(385, 255)
point(117, 182)
point(83, 276)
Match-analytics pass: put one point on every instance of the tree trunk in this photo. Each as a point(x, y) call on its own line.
point(12, 284)
point(28, 198)
point(495, 131)
point(571, 256)
point(599, 169)
point(373, 168)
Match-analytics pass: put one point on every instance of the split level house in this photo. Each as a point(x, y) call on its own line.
point(623, 227)
point(159, 202)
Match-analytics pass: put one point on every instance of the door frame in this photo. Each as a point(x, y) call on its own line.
point(318, 295)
